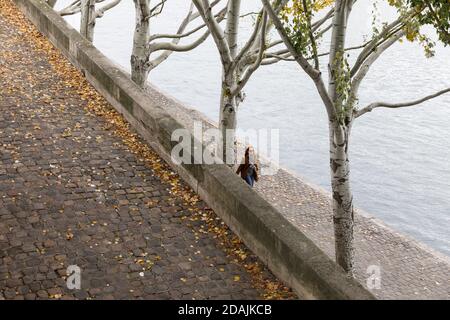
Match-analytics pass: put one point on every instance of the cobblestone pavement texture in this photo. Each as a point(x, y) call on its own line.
point(72, 193)
point(408, 269)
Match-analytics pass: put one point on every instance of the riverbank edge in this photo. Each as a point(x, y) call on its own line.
point(290, 255)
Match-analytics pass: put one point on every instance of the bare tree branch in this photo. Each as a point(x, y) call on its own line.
point(220, 16)
point(384, 35)
point(364, 69)
point(316, 25)
point(101, 11)
point(205, 10)
point(248, 73)
point(375, 105)
point(157, 9)
point(314, 74)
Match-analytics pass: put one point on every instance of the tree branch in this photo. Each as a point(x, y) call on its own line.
point(314, 74)
point(364, 69)
point(204, 8)
point(220, 16)
point(375, 105)
point(250, 70)
point(379, 39)
point(100, 12)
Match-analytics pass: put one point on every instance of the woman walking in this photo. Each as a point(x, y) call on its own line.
point(249, 168)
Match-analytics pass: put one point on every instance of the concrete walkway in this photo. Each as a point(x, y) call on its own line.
point(78, 188)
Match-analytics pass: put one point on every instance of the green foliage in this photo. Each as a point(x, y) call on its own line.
point(297, 16)
point(429, 12)
point(418, 13)
point(342, 79)
point(437, 14)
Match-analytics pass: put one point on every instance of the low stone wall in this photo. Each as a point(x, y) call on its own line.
point(290, 255)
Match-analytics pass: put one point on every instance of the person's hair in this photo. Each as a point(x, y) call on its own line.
point(247, 155)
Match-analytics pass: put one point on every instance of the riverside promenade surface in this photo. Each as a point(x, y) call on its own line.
point(78, 187)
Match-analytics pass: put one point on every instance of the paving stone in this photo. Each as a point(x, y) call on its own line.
point(42, 294)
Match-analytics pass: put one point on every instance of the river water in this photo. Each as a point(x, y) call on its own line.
point(400, 158)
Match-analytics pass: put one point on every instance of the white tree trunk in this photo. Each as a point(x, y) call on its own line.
point(337, 47)
point(342, 198)
point(227, 121)
point(340, 124)
point(87, 23)
point(232, 27)
point(228, 102)
point(140, 55)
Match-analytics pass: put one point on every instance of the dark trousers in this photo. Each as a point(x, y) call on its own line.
point(250, 180)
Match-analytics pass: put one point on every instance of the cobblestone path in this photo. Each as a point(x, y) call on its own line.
point(72, 193)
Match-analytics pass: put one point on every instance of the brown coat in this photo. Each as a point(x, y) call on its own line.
point(243, 169)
